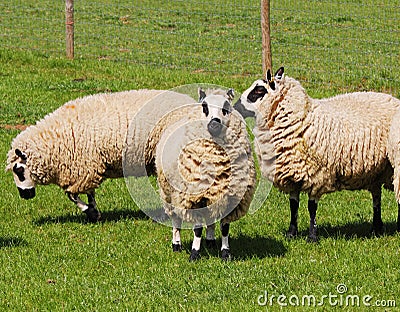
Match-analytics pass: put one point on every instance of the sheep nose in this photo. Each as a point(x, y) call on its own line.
point(27, 193)
point(214, 126)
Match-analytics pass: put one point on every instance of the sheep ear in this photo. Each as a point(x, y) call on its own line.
point(270, 79)
point(230, 94)
point(202, 95)
point(21, 154)
point(279, 73)
point(269, 76)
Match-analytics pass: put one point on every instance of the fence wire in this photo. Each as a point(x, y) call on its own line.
point(345, 44)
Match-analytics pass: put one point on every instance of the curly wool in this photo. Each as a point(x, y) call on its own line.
point(81, 143)
point(394, 153)
point(326, 145)
point(200, 171)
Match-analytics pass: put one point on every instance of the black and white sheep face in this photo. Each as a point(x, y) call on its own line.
point(251, 99)
point(22, 177)
point(216, 109)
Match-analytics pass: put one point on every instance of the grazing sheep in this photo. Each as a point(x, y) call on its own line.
point(321, 146)
point(81, 143)
point(205, 169)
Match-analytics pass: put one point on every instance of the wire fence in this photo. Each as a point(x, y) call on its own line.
point(341, 44)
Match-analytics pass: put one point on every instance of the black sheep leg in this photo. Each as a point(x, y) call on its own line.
point(89, 209)
point(195, 253)
point(225, 253)
point(92, 213)
point(377, 224)
point(211, 243)
point(294, 211)
point(312, 210)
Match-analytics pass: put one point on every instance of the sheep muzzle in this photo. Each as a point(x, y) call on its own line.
point(27, 193)
point(243, 110)
point(214, 126)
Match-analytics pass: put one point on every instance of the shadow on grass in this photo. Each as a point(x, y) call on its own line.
point(9, 241)
point(351, 230)
point(243, 248)
point(106, 216)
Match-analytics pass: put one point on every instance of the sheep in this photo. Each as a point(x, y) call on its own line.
point(394, 157)
point(320, 146)
point(81, 143)
point(205, 169)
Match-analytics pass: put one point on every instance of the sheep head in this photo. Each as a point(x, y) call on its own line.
point(251, 100)
point(22, 177)
point(216, 109)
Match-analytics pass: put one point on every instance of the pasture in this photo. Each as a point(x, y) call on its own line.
point(53, 260)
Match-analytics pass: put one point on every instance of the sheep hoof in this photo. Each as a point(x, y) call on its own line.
point(377, 233)
point(194, 255)
point(291, 233)
point(377, 230)
point(226, 255)
point(211, 243)
point(312, 239)
point(176, 247)
point(92, 214)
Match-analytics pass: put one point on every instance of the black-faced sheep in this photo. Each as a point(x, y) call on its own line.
point(81, 143)
point(321, 146)
point(205, 169)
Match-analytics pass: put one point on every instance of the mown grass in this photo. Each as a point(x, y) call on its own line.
point(53, 260)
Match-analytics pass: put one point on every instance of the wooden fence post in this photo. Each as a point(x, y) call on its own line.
point(69, 22)
point(266, 37)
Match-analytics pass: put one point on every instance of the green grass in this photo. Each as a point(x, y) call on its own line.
point(52, 260)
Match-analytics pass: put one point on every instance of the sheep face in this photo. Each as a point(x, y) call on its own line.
point(216, 109)
point(22, 177)
point(251, 100)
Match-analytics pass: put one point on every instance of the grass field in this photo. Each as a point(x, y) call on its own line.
point(52, 260)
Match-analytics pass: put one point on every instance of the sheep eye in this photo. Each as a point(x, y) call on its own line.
point(226, 109)
point(256, 93)
point(205, 108)
point(260, 90)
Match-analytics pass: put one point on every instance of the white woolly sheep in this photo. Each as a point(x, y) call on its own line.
point(394, 157)
point(205, 169)
point(81, 143)
point(321, 146)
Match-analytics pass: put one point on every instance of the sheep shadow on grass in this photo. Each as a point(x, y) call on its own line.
point(243, 248)
point(351, 230)
point(11, 241)
point(106, 216)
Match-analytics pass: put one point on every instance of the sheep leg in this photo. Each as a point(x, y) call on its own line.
point(210, 237)
point(195, 253)
point(312, 210)
point(92, 213)
point(225, 253)
point(294, 211)
point(377, 224)
point(176, 234)
point(89, 209)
